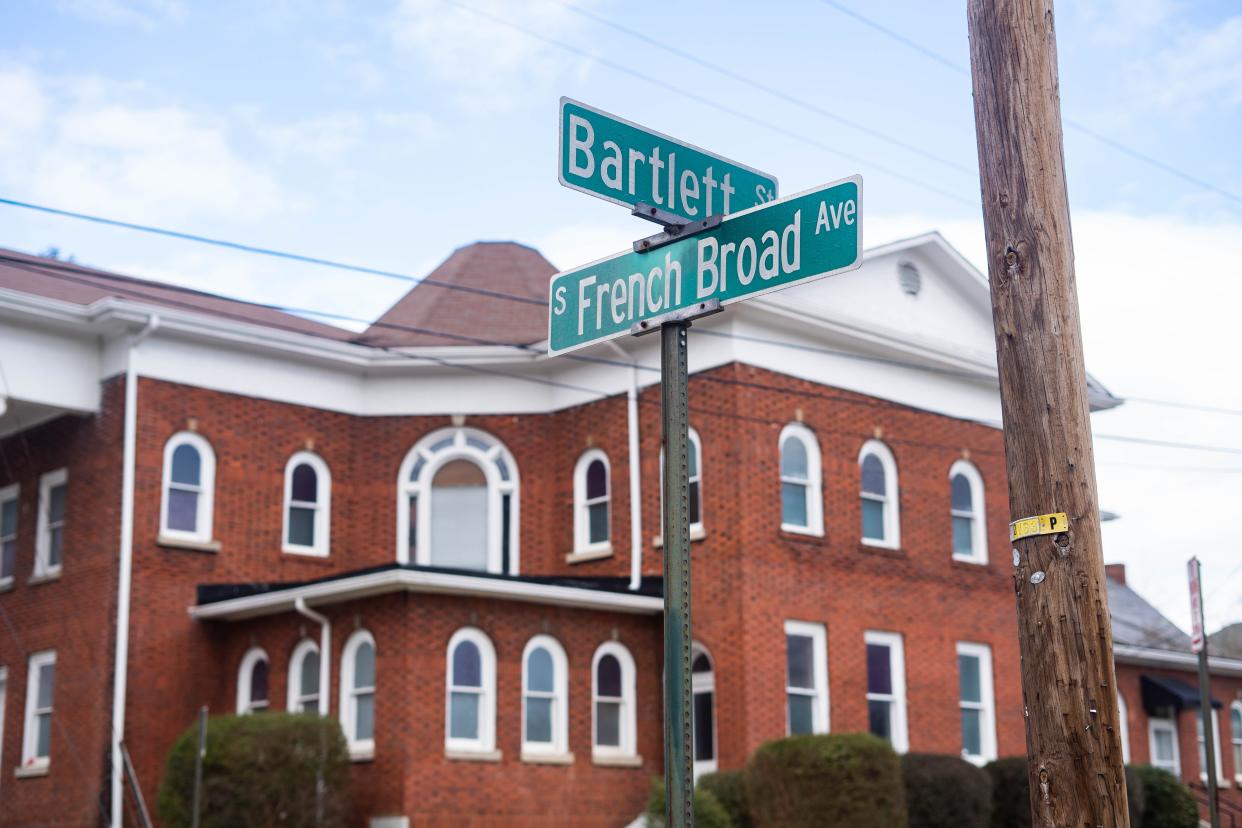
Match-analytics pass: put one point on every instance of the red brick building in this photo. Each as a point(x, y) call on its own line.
point(451, 543)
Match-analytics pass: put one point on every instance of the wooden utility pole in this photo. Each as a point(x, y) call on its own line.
point(1068, 681)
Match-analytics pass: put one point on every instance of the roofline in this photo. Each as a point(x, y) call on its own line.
point(1153, 657)
point(436, 583)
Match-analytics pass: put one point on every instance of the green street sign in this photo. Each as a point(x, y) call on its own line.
point(776, 245)
point(619, 161)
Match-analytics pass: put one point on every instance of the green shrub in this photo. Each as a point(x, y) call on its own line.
point(1136, 797)
point(708, 812)
point(1011, 798)
point(849, 780)
point(1167, 803)
point(260, 771)
point(945, 792)
point(729, 788)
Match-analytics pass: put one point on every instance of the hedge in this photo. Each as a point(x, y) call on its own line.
point(1168, 803)
point(945, 792)
point(729, 788)
point(1011, 802)
point(708, 812)
point(847, 780)
point(260, 770)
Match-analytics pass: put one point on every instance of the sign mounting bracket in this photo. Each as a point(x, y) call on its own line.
point(675, 227)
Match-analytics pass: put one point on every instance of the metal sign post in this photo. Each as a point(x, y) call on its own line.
point(1198, 643)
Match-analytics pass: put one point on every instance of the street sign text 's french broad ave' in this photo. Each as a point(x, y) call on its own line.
point(773, 246)
point(610, 158)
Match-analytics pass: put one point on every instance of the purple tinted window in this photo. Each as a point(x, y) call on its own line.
point(186, 465)
point(608, 677)
point(596, 480)
point(258, 682)
point(182, 510)
point(879, 669)
point(961, 493)
point(873, 475)
point(467, 665)
point(305, 484)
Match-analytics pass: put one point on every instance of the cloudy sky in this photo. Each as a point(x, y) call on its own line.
point(389, 133)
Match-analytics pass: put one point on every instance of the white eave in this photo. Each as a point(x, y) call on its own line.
point(1176, 659)
point(437, 583)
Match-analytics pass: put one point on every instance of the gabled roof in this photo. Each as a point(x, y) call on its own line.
point(1227, 641)
point(472, 318)
point(1137, 623)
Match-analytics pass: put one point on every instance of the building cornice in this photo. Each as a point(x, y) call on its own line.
point(1176, 659)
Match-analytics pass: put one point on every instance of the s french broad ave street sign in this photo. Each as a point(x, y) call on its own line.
point(610, 158)
point(776, 245)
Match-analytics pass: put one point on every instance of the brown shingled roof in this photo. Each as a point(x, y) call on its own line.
point(68, 282)
point(470, 318)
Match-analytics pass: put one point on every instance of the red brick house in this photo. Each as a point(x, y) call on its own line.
point(451, 543)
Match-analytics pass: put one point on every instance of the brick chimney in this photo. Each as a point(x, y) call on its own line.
point(1117, 572)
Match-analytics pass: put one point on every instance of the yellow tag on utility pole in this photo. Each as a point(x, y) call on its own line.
point(1040, 525)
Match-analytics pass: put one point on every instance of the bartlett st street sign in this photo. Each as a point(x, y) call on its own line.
point(807, 236)
point(619, 161)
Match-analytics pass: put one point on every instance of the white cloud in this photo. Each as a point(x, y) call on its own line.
point(144, 14)
point(1201, 70)
point(1123, 22)
point(22, 107)
point(323, 138)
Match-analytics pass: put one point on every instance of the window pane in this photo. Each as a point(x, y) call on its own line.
point(873, 519)
point(47, 673)
point(55, 540)
point(793, 504)
point(972, 738)
point(873, 481)
point(417, 470)
point(539, 671)
point(799, 671)
point(467, 665)
point(596, 480)
point(305, 485)
point(608, 724)
point(413, 535)
point(1235, 722)
point(539, 720)
point(364, 665)
point(608, 677)
point(968, 670)
point(56, 504)
point(693, 456)
point(43, 737)
point(301, 526)
point(258, 682)
point(597, 519)
point(310, 674)
point(963, 536)
point(793, 459)
point(801, 715)
point(961, 499)
point(186, 465)
point(695, 515)
point(459, 516)
point(1164, 745)
point(8, 558)
point(879, 669)
point(475, 442)
point(879, 714)
point(702, 664)
point(464, 716)
point(364, 716)
point(182, 510)
point(704, 737)
point(502, 467)
point(8, 518)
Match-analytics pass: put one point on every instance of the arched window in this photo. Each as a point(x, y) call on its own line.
point(470, 725)
point(1235, 738)
point(358, 694)
point(802, 507)
point(545, 693)
point(1123, 725)
point(703, 683)
point(592, 503)
point(612, 695)
point(970, 537)
point(252, 682)
point(189, 488)
point(308, 510)
point(457, 504)
point(879, 495)
point(695, 469)
point(304, 678)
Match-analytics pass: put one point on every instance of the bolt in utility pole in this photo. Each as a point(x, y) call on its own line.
point(1068, 679)
point(678, 698)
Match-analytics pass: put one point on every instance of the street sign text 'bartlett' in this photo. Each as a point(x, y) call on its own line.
point(807, 236)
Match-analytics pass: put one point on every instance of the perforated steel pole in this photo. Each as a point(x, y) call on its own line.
point(678, 698)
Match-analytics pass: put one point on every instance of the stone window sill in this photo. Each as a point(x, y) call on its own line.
point(883, 551)
point(362, 755)
point(43, 578)
point(185, 543)
point(548, 758)
point(982, 563)
point(472, 755)
point(32, 771)
point(697, 533)
point(6, 584)
point(618, 761)
point(589, 555)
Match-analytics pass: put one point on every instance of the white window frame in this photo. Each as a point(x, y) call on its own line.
point(813, 484)
point(11, 493)
point(297, 695)
point(820, 708)
point(245, 673)
point(1169, 724)
point(891, 499)
point(322, 506)
point(582, 521)
point(1123, 717)
point(359, 749)
point(897, 670)
point(704, 683)
point(1235, 741)
point(459, 448)
point(986, 707)
point(559, 746)
point(43, 536)
point(628, 748)
point(977, 513)
point(30, 732)
point(206, 489)
point(697, 530)
point(1200, 739)
point(485, 744)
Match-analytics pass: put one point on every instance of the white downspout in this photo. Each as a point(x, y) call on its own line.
point(124, 576)
point(636, 488)
point(325, 651)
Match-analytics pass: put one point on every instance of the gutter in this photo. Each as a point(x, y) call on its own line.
point(125, 575)
point(636, 487)
point(1176, 659)
point(325, 650)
